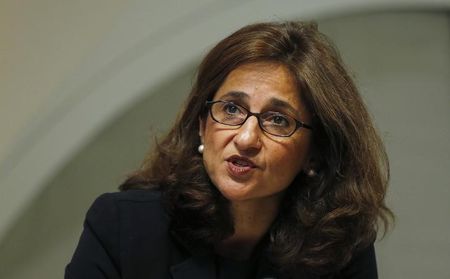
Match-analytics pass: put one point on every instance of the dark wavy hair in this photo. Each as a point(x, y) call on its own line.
point(324, 219)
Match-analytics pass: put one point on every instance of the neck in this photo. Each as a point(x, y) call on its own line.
point(252, 219)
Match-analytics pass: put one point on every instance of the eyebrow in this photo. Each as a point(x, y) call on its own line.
point(273, 102)
point(236, 95)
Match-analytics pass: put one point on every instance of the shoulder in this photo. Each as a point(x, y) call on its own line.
point(129, 208)
point(126, 214)
point(137, 220)
point(130, 196)
point(120, 202)
point(363, 265)
point(123, 233)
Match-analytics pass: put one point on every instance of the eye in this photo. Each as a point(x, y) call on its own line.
point(277, 119)
point(231, 108)
point(280, 120)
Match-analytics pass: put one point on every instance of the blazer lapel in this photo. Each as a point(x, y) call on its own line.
point(194, 268)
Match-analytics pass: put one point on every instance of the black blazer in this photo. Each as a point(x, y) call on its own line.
point(126, 235)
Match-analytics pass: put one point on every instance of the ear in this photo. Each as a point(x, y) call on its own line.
point(201, 128)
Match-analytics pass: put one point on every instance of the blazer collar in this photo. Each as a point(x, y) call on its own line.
point(200, 262)
point(204, 267)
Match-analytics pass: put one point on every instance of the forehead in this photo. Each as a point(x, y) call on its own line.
point(261, 83)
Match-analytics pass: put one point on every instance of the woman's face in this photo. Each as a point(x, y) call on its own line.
point(244, 162)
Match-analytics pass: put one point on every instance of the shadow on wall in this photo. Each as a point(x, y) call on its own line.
point(42, 241)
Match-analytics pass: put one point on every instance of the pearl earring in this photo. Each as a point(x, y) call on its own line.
point(200, 148)
point(311, 173)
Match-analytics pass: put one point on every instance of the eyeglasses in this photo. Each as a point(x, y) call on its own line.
point(271, 122)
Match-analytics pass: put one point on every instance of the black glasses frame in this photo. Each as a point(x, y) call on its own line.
point(298, 124)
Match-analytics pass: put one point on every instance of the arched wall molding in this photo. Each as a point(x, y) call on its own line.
point(95, 93)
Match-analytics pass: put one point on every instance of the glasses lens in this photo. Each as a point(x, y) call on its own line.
point(278, 124)
point(228, 113)
point(274, 123)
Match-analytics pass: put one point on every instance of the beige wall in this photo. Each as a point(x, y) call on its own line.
point(402, 65)
point(400, 61)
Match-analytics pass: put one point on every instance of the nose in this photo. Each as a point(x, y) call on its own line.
point(248, 136)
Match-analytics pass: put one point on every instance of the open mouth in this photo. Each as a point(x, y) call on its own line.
point(238, 166)
point(241, 161)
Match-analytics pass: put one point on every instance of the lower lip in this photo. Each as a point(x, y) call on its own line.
point(237, 170)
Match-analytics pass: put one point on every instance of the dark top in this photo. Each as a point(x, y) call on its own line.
point(127, 235)
point(229, 268)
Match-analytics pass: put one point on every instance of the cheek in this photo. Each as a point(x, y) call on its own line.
point(210, 163)
point(292, 159)
point(216, 138)
point(214, 144)
point(209, 150)
point(211, 142)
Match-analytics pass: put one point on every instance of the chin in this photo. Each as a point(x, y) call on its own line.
point(235, 191)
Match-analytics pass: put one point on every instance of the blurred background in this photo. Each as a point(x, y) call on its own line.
point(86, 85)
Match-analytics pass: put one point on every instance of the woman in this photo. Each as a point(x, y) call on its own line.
point(272, 170)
